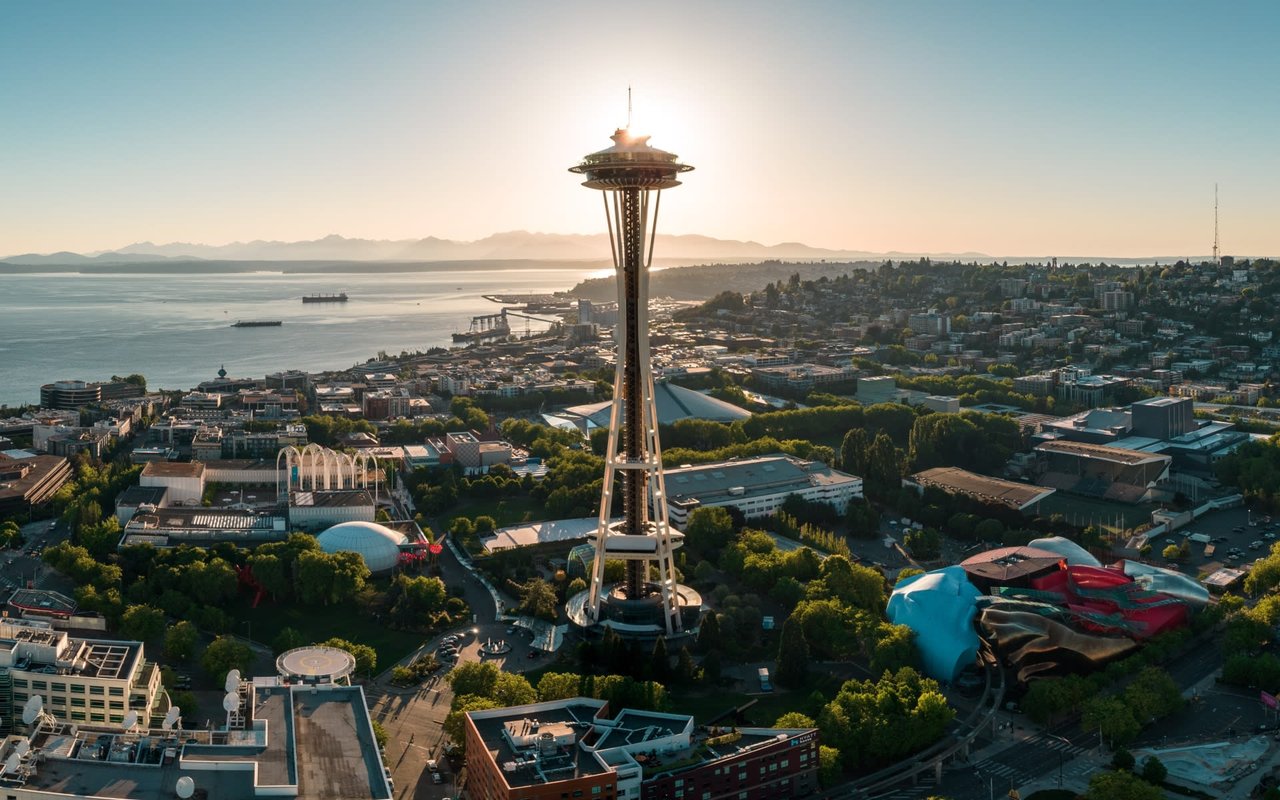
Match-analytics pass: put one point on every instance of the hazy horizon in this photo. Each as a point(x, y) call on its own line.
point(994, 127)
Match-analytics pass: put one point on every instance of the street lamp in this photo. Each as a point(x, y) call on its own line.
point(1067, 742)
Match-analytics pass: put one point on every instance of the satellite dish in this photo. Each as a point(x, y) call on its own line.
point(31, 711)
point(130, 720)
point(231, 701)
point(22, 747)
point(171, 718)
point(12, 762)
point(232, 682)
point(186, 787)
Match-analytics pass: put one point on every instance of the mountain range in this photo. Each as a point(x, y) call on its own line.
point(509, 245)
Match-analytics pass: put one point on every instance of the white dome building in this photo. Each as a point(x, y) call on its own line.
point(378, 545)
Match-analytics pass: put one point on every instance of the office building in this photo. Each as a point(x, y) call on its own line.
point(280, 737)
point(28, 480)
point(574, 748)
point(757, 486)
point(78, 680)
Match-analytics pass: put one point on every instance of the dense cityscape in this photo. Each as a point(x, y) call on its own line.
point(1029, 503)
point(908, 427)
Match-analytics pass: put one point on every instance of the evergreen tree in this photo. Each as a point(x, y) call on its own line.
point(686, 670)
point(709, 634)
point(793, 654)
point(659, 660)
point(853, 451)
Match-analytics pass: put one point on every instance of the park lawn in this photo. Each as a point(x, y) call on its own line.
point(352, 622)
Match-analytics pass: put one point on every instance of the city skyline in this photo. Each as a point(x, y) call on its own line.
point(995, 127)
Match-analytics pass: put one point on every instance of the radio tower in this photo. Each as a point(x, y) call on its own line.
point(649, 602)
point(1216, 260)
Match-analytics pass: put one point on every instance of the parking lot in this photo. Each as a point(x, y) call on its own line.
point(1238, 538)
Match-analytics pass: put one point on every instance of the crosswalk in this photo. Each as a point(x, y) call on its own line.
point(1034, 757)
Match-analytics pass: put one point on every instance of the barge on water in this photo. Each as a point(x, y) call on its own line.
point(341, 297)
point(257, 323)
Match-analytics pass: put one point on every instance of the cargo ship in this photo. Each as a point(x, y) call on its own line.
point(256, 323)
point(325, 298)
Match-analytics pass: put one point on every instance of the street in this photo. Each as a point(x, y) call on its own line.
point(414, 717)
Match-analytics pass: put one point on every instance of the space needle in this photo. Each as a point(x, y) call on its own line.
point(648, 602)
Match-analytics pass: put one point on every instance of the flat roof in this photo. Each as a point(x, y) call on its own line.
point(531, 533)
point(1162, 401)
point(139, 495)
point(1102, 452)
point(345, 498)
point(317, 740)
point(982, 487)
point(769, 474)
point(173, 469)
point(566, 762)
point(200, 519)
point(42, 601)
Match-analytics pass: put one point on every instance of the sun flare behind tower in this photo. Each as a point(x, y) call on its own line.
point(648, 602)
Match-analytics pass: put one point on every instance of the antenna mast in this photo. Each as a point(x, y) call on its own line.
point(1216, 259)
point(1215, 190)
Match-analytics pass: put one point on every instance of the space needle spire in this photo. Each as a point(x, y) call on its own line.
point(649, 602)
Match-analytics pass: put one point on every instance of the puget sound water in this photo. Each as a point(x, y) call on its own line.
point(176, 328)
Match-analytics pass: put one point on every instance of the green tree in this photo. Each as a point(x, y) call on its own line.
point(850, 583)
point(1121, 786)
point(989, 530)
point(709, 633)
point(559, 686)
point(793, 655)
point(1112, 717)
point(538, 599)
point(288, 639)
point(454, 725)
point(1153, 771)
point(829, 769)
point(894, 648)
point(513, 690)
point(925, 544)
point(144, 623)
point(853, 451)
point(271, 573)
point(474, 678)
point(794, 719)
point(659, 660)
point(224, 654)
point(710, 528)
point(1122, 759)
point(366, 657)
point(180, 641)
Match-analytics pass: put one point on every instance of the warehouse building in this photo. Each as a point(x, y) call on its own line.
point(757, 486)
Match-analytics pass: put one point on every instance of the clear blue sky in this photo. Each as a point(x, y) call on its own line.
point(1012, 128)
